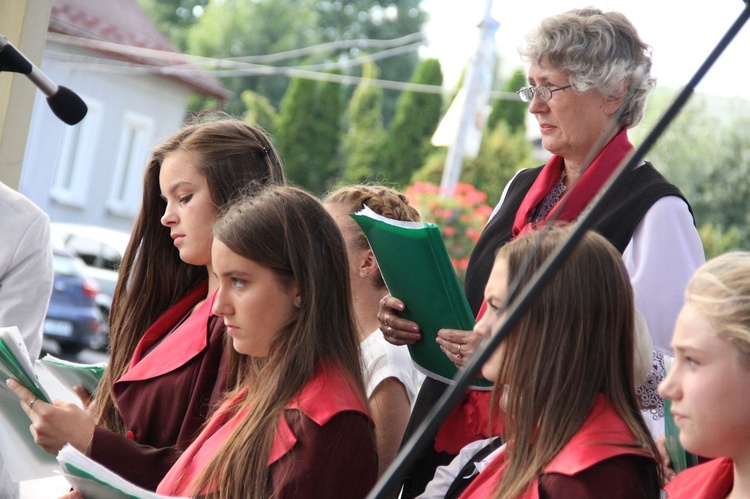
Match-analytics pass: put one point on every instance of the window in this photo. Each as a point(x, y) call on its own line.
point(132, 153)
point(76, 158)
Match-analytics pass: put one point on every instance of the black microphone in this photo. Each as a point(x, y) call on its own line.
point(64, 102)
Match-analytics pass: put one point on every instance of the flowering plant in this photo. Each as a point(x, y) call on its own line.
point(461, 217)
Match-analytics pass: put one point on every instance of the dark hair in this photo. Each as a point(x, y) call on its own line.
point(230, 154)
point(576, 342)
point(288, 231)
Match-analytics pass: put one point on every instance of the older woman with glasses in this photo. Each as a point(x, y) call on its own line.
point(589, 75)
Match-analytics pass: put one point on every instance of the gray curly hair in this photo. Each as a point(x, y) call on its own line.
point(599, 51)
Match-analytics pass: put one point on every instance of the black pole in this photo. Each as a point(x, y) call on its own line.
point(426, 431)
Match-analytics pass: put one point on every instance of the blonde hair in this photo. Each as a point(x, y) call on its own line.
point(720, 290)
point(384, 201)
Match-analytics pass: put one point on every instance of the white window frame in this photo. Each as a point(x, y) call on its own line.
point(75, 162)
point(132, 153)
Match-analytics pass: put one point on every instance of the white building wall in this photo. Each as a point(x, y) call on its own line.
point(114, 94)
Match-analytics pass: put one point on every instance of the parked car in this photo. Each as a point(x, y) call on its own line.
point(73, 318)
point(101, 249)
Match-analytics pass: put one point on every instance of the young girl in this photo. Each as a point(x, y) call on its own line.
point(709, 380)
point(564, 378)
point(391, 380)
point(167, 361)
point(295, 425)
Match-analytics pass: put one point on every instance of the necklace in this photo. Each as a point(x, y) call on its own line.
point(551, 199)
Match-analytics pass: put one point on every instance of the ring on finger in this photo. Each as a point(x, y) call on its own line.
point(31, 404)
point(459, 351)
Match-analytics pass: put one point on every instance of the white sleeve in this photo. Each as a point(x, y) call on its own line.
point(445, 475)
point(26, 281)
point(662, 255)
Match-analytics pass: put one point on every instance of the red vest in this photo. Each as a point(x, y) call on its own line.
point(585, 449)
point(711, 480)
point(326, 395)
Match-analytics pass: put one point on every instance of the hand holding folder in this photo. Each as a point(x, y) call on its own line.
point(417, 270)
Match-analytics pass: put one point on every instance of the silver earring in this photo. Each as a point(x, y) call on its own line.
point(362, 274)
point(298, 302)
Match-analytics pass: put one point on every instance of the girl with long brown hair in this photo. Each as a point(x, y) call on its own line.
point(295, 424)
point(167, 364)
point(565, 378)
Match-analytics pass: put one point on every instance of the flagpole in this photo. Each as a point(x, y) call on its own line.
point(476, 87)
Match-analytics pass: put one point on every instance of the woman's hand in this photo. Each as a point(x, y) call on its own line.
point(458, 345)
point(57, 424)
point(396, 330)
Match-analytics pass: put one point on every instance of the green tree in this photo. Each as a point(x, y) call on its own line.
point(501, 154)
point(416, 118)
point(260, 111)
point(295, 135)
point(241, 28)
point(328, 129)
point(175, 17)
point(365, 135)
point(512, 112)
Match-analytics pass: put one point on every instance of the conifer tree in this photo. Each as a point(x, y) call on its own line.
point(328, 128)
point(365, 136)
point(513, 112)
point(416, 118)
point(295, 134)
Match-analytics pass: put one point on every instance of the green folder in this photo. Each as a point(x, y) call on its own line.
point(417, 270)
point(71, 374)
point(15, 363)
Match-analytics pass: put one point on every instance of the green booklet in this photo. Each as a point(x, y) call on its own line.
point(16, 364)
point(71, 374)
point(23, 459)
point(95, 481)
point(417, 270)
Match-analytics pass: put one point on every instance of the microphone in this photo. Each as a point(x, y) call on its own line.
point(65, 103)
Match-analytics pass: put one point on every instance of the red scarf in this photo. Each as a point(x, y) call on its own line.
point(576, 199)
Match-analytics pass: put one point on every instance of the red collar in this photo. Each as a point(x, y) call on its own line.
point(711, 480)
point(574, 200)
point(327, 394)
point(188, 340)
point(593, 443)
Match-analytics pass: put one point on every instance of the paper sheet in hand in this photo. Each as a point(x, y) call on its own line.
point(71, 374)
point(23, 459)
point(95, 481)
point(417, 270)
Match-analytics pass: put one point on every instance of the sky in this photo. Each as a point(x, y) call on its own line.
point(681, 34)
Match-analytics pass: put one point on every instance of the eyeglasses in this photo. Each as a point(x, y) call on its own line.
point(542, 93)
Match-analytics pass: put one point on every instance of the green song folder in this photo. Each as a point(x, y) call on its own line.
point(417, 270)
point(71, 374)
point(15, 362)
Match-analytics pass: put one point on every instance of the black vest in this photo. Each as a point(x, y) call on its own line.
point(639, 190)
